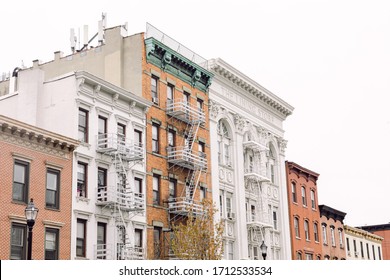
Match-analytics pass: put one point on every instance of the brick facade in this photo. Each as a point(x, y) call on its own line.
point(303, 209)
point(41, 150)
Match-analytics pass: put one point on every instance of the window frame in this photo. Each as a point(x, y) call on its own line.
point(312, 198)
point(154, 90)
point(57, 173)
point(303, 195)
point(25, 185)
point(155, 138)
point(306, 228)
point(296, 228)
point(83, 128)
point(156, 189)
point(316, 233)
point(83, 240)
point(56, 233)
point(294, 192)
point(84, 183)
point(23, 246)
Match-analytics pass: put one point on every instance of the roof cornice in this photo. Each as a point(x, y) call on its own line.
point(225, 70)
point(176, 64)
point(299, 170)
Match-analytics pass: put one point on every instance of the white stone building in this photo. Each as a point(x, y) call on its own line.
point(108, 190)
point(247, 155)
point(362, 245)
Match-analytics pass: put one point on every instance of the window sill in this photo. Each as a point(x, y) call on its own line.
point(52, 209)
point(82, 199)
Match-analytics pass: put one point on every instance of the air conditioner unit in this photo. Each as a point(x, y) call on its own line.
point(155, 100)
point(231, 215)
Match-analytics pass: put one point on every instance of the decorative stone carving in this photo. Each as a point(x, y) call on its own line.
point(282, 143)
point(239, 122)
point(214, 109)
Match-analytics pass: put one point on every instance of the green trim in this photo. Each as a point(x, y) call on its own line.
point(174, 63)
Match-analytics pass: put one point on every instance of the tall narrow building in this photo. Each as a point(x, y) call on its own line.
point(305, 218)
point(247, 155)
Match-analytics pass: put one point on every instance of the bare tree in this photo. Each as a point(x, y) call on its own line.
point(198, 237)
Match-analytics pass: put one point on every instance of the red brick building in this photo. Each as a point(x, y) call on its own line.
point(382, 230)
point(332, 228)
point(305, 222)
point(178, 145)
point(35, 163)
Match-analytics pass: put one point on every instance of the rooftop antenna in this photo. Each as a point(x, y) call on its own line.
point(101, 26)
point(73, 40)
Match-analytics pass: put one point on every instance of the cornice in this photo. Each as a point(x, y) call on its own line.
point(176, 64)
point(302, 171)
point(330, 212)
point(35, 137)
point(99, 85)
point(223, 69)
point(363, 233)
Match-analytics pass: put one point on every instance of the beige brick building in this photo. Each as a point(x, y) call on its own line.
point(35, 163)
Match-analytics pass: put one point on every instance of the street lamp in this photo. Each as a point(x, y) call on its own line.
point(31, 213)
point(263, 249)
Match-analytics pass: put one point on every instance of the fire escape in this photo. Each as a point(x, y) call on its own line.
point(183, 157)
point(255, 176)
point(120, 199)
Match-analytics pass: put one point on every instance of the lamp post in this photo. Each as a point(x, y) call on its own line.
point(31, 213)
point(263, 249)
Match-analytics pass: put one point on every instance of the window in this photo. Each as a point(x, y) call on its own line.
point(347, 241)
point(121, 131)
point(226, 149)
point(306, 227)
point(52, 188)
point(296, 227)
point(230, 250)
point(138, 137)
point(373, 252)
point(172, 189)
point(275, 219)
point(81, 179)
point(156, 189)
point(324, 237)
point(154, 89)
point(155, 138)
point(199, 105)
point(201, 149)
point(171, 139)
point(221, 211)
point(18, 242)
point(253, 213)
point(294, 192)
point(368, 251)
point(303, 191)
point(186, 98)
point(315, 230)
point(312, 198)
point(20, 181)
point(379, 253)
point(354, 247)
point(361, 249)
point(228, 205)
point(309, 257)
point(202, 193)
point(83, 125)
point(341, 239)
point(138, 238)
point(102, 132)
point(102, 183)
point(332, 236)
point(272, 170)
point(170, 92)
point(51, 244)
point(157, 242)
point(101, 240)
point(138, 185)
point(224, 145)
point(299, 256)
point(81, 238)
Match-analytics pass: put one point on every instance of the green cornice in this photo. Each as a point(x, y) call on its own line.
point(176, 64)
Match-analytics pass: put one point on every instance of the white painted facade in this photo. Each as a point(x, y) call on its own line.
point(115, 220)
point(248, 164)
point(362, 245)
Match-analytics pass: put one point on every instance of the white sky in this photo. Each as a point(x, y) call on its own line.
point(329, 59)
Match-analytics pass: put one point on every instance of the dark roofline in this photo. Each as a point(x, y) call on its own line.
point(294, 167)
point(376, 227)
point(330, 212)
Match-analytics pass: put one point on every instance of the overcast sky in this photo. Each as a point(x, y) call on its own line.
point(329, 59)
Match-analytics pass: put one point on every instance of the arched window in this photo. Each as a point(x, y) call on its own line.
point(224, 144)
point(296, 227)
point(271, 164)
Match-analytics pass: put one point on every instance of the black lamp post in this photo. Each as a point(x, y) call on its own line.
point(31, 213)
point(263, 249)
